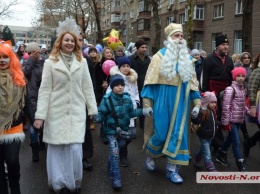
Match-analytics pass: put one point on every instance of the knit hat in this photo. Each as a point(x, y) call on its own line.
point(139, 43)
point(32, 46)
point(194, 52)
point(221, 39)
point(92, 49)
point(207, 97)
point(115, 80)
point(119, 48)
point(172, 28)
point(43, 46)
point(123, 60)
point(238, 70)
point(202, 53)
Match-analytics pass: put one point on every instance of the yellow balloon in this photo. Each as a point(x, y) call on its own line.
point(113, 40)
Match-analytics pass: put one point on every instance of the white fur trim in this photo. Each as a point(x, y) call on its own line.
point(9, 138)
point(114, 70)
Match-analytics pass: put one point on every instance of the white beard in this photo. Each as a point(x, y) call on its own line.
point(176, 52)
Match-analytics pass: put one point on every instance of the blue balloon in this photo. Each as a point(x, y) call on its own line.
point(99, 48)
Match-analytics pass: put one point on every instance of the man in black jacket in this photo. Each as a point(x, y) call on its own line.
point(216, 76)
point(140, 62)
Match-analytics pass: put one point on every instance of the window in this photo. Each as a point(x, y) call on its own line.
point(198, 40)
point(143, 25)
point(198, 12)
point(108, 23)
point(198, 45)
point(182, 18)
point(239, 7)
point(142, 6)
point(159, 2)
point(115, 4)
point(131, 13)
point(170, 2)
point(169, 20)
point(238, 42)
point(115, 18)
point(186, 13)
point(182, 0)
point(218, 11)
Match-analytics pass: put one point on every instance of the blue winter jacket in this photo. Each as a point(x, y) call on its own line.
point(123, 106)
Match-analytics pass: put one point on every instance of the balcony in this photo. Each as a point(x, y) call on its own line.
point(143, 34)
point(198, 25)
point(115, 9)
point(144, 15)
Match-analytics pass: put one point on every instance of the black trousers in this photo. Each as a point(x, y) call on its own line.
point(218, 139)
point(87, 146)
point(9, 154)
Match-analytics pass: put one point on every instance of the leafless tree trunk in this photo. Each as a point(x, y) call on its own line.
point(247, 25)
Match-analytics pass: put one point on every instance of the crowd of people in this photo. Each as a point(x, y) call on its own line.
point(62, 93)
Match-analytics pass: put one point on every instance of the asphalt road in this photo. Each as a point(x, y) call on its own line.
point(135, 178)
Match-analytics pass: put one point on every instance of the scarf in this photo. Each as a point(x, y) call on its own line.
point(67, 59)
point(11, 100)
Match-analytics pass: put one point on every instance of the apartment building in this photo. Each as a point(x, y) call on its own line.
point(134, 20)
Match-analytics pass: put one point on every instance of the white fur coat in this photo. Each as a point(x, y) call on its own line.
point(130, 84)
point(62, 101)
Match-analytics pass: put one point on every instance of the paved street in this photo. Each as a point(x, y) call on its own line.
point(135, 178)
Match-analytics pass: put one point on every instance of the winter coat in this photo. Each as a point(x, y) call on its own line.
point(130, 84)
point(140, 68)
point(208, 127)
point(33, 72)
point(62, 101)
point(214, 69)
point(124, 110)
point(254, 86)
point(233, 104)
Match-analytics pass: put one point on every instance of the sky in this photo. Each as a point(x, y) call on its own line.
point(25, 11)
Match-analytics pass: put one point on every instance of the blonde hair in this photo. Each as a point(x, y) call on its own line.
point(235, 57)
point(57, 45)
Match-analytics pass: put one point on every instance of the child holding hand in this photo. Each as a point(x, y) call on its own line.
point(115, 111)
point(233, 115)
point(207, 119)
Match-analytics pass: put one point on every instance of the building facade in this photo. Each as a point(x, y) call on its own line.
point(134, 20)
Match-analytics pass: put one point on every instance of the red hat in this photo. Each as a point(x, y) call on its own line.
point(238, 70)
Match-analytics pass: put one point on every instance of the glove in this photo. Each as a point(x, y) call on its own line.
point(94, 118)
point(147, 111)
point(226, 127)
point(195, 112)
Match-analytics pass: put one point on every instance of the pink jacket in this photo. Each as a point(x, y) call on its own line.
point(233, 105)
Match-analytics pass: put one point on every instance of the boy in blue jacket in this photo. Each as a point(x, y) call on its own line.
point(115, 111)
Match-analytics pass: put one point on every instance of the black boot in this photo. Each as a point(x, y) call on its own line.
point(4, 187)
point(35, 152)
point(241, 164)
point(87, 165)
point(123, 156)
point(221, 157)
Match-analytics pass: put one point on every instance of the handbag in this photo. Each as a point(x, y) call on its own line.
point(121, 134)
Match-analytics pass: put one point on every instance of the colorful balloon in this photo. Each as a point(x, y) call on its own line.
point(99, 48)
point(113, 40)
point(107, 65)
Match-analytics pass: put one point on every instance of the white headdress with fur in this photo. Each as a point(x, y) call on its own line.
point(68, 25)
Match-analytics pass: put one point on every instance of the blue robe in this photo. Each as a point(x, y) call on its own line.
point(171, 106)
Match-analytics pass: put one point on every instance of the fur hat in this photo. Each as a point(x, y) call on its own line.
point(115, 80)
point(32, 46)
point(172, 28)
point(195, 52)
point(207, 97)
point(221, 39)
point(123, 60)
point(139, 43)
point(238, 70)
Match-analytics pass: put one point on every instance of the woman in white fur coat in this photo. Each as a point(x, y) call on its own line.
point(130, 76)
point(66, 89)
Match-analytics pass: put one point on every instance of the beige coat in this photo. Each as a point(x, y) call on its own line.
point(62, 101)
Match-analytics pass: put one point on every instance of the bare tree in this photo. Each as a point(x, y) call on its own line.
point(247, 25)
point(5, 9)
point(190, 23)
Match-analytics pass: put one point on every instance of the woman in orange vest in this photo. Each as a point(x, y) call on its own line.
point(12, 101)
